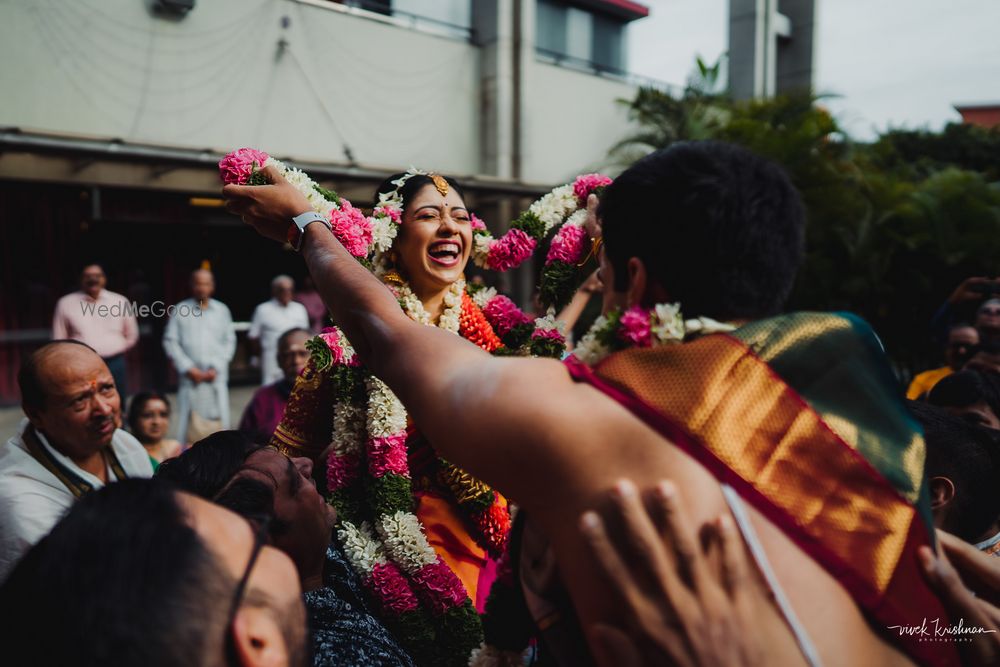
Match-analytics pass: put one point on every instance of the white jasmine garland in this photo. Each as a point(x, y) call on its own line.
point(578, 218)
point(414, 308)
point(706, 325)
point(553, 207)
point(405, 542)
point(549, 322)
point(383, 232)
point(483, 296)
point(348, 428)
point(666, 322)
point(360, 546)
point(386, 414)
point(304, 184)
point(667, 326)
point(590, 350)
point(481, 248)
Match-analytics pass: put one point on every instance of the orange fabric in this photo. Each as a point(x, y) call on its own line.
point(447, 534)
point(767, 435)
point(924, 382)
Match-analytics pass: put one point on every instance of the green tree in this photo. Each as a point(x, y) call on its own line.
point(892, 226)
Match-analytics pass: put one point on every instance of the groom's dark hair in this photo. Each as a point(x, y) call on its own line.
point(718, 227)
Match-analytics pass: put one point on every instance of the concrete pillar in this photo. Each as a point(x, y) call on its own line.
point(493, 23)
point(794, 70)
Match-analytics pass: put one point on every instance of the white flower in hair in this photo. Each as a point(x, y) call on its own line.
point(383, 233)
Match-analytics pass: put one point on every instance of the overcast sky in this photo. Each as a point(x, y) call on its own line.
point(899, 63)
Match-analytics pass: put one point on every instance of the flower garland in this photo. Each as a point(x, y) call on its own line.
point(368, 480)
point(521, 334)
point(357, 233)
point(563, 207)
point(639, 327)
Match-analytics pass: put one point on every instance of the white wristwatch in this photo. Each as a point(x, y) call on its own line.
point(302, 221)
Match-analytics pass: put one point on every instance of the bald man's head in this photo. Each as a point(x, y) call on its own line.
point(68, 393)
point(202, 284)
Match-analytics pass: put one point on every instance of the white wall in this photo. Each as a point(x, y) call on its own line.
point(570, 119)
point(110, 68)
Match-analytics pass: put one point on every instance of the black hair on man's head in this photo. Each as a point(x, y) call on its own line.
point(413, 185)
point(969, 456)
point(123, 579)
point(28, 379)
point(718, 227)
point(962, 389)
point(207, 470)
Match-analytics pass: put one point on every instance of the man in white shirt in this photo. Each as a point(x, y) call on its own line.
point(270, 320)
point(200, 340)
point(69, 445)
point(102, 319)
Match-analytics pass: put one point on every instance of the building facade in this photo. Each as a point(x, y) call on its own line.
point(115, 112)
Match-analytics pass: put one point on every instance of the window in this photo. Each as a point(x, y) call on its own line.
point(576, 37)
point(608, 44)
point(550, 27)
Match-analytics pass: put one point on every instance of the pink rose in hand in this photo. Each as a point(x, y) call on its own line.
point(237, 167)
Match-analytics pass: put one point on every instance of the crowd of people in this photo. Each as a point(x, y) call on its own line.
point(707, 480)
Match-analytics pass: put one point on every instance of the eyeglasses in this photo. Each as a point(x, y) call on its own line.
point(259, 541)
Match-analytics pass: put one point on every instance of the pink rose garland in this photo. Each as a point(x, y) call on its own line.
point(389, 212)
point(392, 588)
point(503, 315)
point(635, 327)
point(510, 250)
point(551, 334)
point(237, 167)
point(351, 228)
point(444, 589)
point(567, 245)
point(387, 455)
point(584, 185)
point(341, 470)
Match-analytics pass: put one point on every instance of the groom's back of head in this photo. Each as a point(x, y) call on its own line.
point(718, 227)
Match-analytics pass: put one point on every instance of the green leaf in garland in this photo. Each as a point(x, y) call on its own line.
point(329, 195)
point(559, 282)
point(465, 633)
point(257, 178)
point(320, 353)
point(390, 493)
point(546, 347)
point(529, 223)
point(518, 335)
point(606, 336)
point(415, 632)
point(349, 506)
